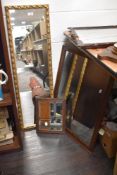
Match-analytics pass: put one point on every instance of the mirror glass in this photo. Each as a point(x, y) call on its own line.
point(78, 124)
point(78, 129)
point(73, 123)
point(56, 117)
point(50, 115)
point(66, 67)
point(30, 36)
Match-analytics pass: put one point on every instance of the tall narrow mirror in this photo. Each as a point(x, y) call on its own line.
point(30, 49)
point(71, 84)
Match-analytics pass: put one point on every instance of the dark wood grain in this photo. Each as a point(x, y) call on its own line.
point(55, 155)
point(5, 60)
point(90, 100)
point(6, 101)
point(43, 114)
point(10, 147)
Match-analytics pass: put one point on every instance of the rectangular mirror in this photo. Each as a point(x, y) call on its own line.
point(85, 93)
point(30, 49)
point(95, 35)
point(80, 90)
point(66, 69)
point(50, 115)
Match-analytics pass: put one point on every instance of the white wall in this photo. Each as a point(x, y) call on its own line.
point(66, 13)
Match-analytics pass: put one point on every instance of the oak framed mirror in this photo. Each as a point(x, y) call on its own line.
point(30, 50)
point(78, 89)
point(69, 80)
point(86, 94)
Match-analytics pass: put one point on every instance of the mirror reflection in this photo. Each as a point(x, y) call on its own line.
point(54, 123)
point(68, 59)
point(56, 117)
point(73, 123)
point(29, 32)
point(72, 87)
point(50, 115)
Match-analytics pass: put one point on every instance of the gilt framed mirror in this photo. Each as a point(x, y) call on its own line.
point(30, 50)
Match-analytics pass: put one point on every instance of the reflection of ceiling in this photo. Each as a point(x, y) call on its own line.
point(22, 16)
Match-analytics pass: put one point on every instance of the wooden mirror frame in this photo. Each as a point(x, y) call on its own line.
point(44, 114)
point(13, 59)
point(59, 73)
point(77, 52)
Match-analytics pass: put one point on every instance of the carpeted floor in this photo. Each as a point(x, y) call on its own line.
point(24, 73)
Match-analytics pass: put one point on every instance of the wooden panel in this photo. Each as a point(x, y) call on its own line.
point(2, 61)
point(44, 110)
point(109, 142)
point(10, 98)
point(50, 115)
point(11, 147)
point(6, 101)
point(93, 92)
point(111, 65)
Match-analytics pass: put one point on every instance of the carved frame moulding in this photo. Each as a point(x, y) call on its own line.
point(12, 53)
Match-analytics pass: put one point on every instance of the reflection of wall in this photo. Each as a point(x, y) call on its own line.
point(22, 32)
point(75, 13)
point(17, 34)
